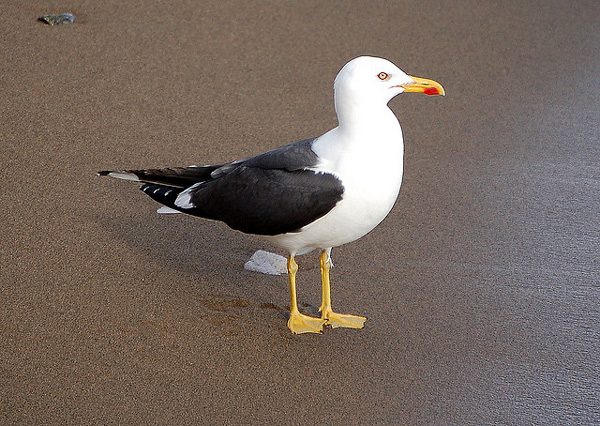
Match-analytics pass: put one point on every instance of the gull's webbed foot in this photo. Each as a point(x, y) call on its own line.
point(300, 323)
point(334, 320)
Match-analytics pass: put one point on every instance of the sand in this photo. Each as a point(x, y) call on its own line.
point(481, 287)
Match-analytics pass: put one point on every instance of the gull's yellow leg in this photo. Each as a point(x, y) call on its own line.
point(331, 318)
point(300, 323)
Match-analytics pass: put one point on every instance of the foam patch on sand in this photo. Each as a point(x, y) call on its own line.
point(268, 263)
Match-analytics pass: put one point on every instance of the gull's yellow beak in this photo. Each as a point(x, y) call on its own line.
point(423, 85)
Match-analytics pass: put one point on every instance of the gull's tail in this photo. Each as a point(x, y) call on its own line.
point(164, 185)
point(178, 177)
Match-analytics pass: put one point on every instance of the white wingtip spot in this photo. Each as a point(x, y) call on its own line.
point(124, 176)
point(184, 200)
point(167, 210)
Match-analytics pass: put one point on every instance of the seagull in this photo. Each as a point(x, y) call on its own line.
point(316, 193)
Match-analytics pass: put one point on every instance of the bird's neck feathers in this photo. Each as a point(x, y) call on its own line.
point(357, 115)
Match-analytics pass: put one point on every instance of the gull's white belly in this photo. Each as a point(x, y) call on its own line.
point(371, 186)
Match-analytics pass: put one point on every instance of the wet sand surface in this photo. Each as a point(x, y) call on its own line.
point(482, 287)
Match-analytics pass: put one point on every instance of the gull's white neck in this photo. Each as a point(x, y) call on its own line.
point(356, 113)
point(368, 118)
point(368, 133)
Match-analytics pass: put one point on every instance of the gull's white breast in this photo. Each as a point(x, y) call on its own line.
point(370, 165)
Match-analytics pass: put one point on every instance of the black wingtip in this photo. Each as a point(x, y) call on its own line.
point(103, 173)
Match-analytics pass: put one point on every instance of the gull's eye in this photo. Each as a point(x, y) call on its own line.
point(383, 76)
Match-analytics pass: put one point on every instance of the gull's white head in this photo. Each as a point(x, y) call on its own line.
point(368, 81)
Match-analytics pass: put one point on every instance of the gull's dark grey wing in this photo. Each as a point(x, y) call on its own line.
point(271, 193)
point(264, 201)
point(295, 156)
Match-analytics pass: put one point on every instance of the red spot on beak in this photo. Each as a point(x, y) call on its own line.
point(431, 91)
